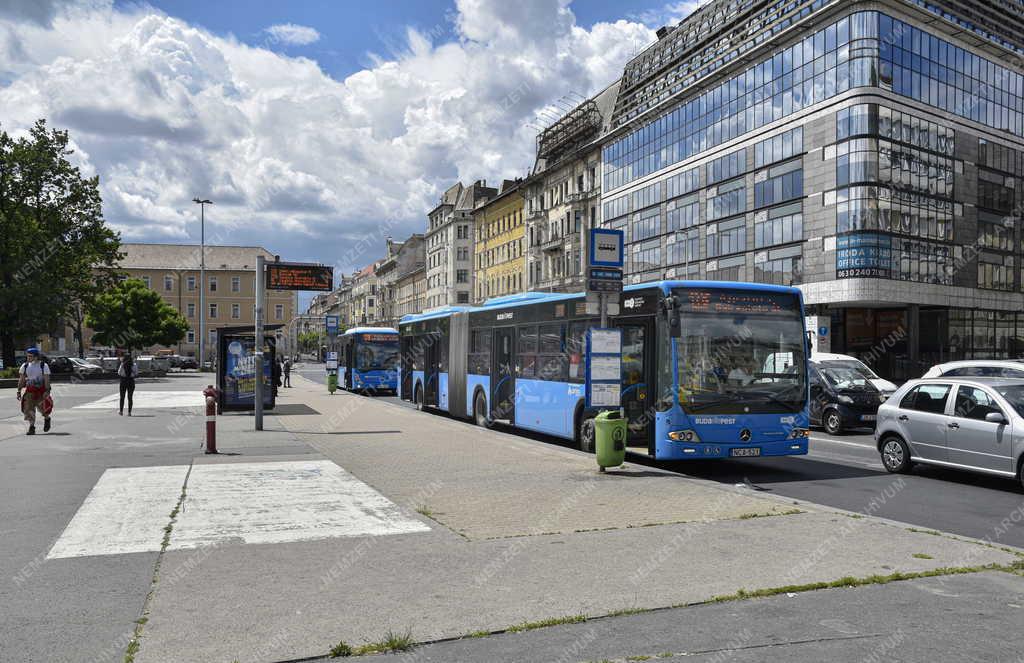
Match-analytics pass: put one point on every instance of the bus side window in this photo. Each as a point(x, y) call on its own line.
point(526, 353)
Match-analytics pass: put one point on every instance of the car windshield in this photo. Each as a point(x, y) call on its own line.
point(845, 377)
point(854, 364)
point(1014, 394)
point(377, 355)
point(740, 352)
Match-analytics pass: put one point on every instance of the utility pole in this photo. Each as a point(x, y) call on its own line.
point(258, 350)
point(202, 202)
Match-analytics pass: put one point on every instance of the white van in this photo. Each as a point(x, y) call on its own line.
point(846, 361)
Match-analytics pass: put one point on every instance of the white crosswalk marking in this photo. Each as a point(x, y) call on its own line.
point(149, 400)
point(273, 502)
point(281, 502)
point(125, 512)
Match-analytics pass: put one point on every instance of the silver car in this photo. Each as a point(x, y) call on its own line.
point(965, 423)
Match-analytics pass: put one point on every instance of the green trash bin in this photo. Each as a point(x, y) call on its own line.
point(332, 382)
point(610, 439)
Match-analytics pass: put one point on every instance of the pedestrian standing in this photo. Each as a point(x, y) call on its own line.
point(275, 375)
point(127, 372)
point(34, 379)
point(287, 372)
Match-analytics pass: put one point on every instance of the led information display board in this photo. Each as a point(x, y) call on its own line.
point(714, 300)
point(297, 276)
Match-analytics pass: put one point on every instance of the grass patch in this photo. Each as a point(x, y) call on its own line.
point(748, 516)
point(850, 581)
point(477, 634)
point(425, 511)
point(627, 611)
point(639, 658)
point(922, 556)
point(391, 642)
point(340, 649)
point(924, 531)
point(544, 623)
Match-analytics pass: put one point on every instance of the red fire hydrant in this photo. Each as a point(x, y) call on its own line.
point(211, 393)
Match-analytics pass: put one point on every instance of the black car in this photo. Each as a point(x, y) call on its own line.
point(59, 365)
point(842, 397)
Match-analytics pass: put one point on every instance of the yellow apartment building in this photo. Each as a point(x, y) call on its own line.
point(500, 257)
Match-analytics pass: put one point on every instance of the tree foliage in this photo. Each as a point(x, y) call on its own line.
point(56, 252)
point(309, 341)
point(132, 316)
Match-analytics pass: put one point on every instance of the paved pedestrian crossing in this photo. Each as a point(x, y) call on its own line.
point(150, 400)
point(241, 503)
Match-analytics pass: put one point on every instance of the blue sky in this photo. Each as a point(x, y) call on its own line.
point(350, 30)
point(318, 127)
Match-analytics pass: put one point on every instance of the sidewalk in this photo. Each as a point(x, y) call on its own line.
point(510, 530)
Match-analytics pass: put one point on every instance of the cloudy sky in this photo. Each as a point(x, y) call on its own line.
point(311, 124)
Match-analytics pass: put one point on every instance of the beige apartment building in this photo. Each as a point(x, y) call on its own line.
point(172, 270)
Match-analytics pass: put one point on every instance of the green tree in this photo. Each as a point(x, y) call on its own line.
point(309, 341)
point(56, 252)
point(132, 316)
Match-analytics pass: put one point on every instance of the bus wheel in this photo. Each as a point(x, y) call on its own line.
point(586, 434)
point(480, 410)
point(419, 398)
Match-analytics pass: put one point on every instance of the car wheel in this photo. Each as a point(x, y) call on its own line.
point(895, 454)
point(480, 411)
point(832, 421)
point(586, 434)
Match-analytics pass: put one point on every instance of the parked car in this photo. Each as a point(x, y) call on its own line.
point(188, 362)
point(83, 369)
point(967, 423)
point(832, 359)
point(59, 365)
point(978, 368)
point(842, 397)
point(110, 365)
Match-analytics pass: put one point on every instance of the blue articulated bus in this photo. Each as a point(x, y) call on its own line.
point(368, 359)
point(710, 369)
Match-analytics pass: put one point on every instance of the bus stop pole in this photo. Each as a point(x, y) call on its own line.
point(603, 304)
point(258, 350)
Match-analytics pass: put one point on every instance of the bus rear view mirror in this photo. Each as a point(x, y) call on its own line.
point(671, 305)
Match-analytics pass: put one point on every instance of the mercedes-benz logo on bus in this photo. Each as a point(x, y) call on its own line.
point(745, 435)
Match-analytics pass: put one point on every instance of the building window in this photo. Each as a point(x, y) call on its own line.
point(781, 183)
point(779, 148)
point(726, 269)
point(146, 280)
point(278, 311)
point(462, 298)
point(191, 308)
point(780, 225)
point(236, 311)
point(213, 284)
point(168, 283)
point(731, 199)
point(726, 237)
point(684, 213)
point(190, 283)
point(646, 224)
point(190, 336)
point(236, 284)
point(684, 247)
point(462, 276)
point(647, 196)
point(779, 267)
point(995, 271)
point(683, 183)
point(727, 167)
point(213, 310)
point(646, 256)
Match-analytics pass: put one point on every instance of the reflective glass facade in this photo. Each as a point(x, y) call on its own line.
point(861, 50)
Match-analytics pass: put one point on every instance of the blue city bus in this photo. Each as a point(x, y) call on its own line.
point(710, 369)
point(368, 359)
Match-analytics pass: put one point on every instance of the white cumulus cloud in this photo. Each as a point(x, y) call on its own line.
point(289, 33)
point(298, 161)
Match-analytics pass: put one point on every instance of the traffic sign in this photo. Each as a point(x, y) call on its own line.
point(606, 273)
point(331, 325)
point(606, 248)
point(601, 285)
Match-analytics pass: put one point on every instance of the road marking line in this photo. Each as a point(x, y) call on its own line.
point(150, 400)
point(125, 512)
point(281, 502)
point(843, 442)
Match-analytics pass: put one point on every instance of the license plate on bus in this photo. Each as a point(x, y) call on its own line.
point(746, 451)
point(867, 417)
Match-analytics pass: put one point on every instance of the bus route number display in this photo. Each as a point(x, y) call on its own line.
point(713, 300)
point(291, 276)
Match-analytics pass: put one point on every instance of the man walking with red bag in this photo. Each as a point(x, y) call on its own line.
point(34, 379)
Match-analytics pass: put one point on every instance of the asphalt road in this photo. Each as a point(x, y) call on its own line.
point(845, 472)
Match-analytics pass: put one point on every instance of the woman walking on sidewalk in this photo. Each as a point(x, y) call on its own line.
point(128, 371)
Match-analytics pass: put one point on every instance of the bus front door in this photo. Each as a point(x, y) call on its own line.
point(349, 360)
point(503, 381)
point(637, 366)
point(430, 371)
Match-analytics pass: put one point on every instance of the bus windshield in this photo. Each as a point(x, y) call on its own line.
point(741, 352)
point(377, 355)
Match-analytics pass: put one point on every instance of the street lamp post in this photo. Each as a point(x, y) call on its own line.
point(202, 202)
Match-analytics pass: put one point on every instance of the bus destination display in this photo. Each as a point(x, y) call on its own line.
point(713, 300)
point(288, 276)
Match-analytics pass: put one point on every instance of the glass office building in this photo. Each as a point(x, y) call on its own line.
point(872, 157)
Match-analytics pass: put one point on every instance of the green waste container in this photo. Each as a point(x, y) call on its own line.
point(610, 439)
point(332, 382)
